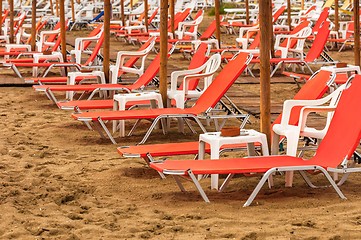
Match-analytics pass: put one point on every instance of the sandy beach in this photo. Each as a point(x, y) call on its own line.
point(61, 181)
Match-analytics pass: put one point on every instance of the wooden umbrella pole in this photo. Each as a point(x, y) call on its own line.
point(57, 7)
point(11, 6)
point(62, 30)
point(218, 21)
point(106, 52)
point(51, 7)
point(163, 49)
point(336, 16)
point(1, 14)
point(33, 24)
point(356, 14)
point(289, 14)
point(171, 10)
point(72, 10)
point(265, 77)
point(302, 4)
point(146, 14)
point(247, 12)
point(122, 12)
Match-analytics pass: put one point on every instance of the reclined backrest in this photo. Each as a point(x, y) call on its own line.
point(93, 33)
point(319, 43)
point(278, 13)
point(256, 41)
point(150, 72)
point(322, 18)
point(198, 59)
point(344, 133)
point(298, 28)
point(313, 89)
point(6, 13)
point(180, 18)
point(150, 19)
point(222, 83)
point(210, 30)
point(52, 37)
point(95, 52)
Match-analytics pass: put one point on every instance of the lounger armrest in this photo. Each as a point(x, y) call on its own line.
point(305, 111)
point(129, 29)
point(245, 30)
point(9, 47)
point(177, 74)
point(290, 104)
point(79, 42)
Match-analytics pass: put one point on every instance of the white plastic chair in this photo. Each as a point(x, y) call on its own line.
point(206, 71)
point(123, 55)
point(293, 132)
point(300, 36)
point(184, 28)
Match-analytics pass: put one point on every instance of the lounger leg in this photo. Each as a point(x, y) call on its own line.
point(307, 179)
point(258, 187)
point(98, 129)
point(16, 70)
point(198, 186)
point(106, 130)
point(180, 185)
point(226, 182)
point(343, 179)
point(333, 184)
point(190, 126)
point(136, 124)
point(51, 95)
point(155, 122)
point(150, 159)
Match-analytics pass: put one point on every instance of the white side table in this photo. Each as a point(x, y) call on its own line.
point(120, 101)
point(55, 56)
point(215, 140)
point(348, 70)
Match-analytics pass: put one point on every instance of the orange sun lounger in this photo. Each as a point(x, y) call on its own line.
point(337, 147)
point(206, 101)
point(315, 88)
point(198, 59)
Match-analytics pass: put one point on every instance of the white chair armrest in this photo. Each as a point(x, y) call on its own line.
point(79, 42)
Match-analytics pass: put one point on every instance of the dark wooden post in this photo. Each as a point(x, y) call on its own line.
point(11, 6)
point(217, 7)
point(62, 29)
point(51, 7)
point(336, 16)
point(265, 77)
point(33, 24)
point(72, 10)
point(146, 14)
point(1, 15)
point(163, 49)
point(171, 10)
point(106, 52)
point(57, 7)
point(122, 15)
point(247, 12)
point(356, 14)
point(289, 14)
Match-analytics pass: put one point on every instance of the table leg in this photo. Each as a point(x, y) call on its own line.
point(214, 155)
point(251, 150)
